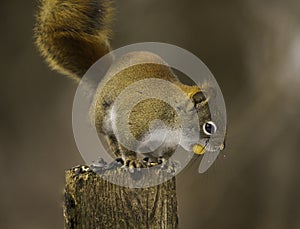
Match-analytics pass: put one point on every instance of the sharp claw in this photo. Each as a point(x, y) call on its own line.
point(131, 166)
point(139, 165)
point(152, 164)
point(146, 159)
point(120, 160)
point(124, 168)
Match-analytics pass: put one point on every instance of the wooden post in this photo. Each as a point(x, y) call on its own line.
point(92, 202)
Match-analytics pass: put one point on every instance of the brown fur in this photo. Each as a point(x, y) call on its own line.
point(73, 34)
point(147, 66)
point(148, 110)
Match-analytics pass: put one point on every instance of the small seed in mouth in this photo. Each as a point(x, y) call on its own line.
point(198, 149)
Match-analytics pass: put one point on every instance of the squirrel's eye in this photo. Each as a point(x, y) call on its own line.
point(209, 128)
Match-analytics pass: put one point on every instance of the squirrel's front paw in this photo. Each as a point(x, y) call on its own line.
point(133, 164)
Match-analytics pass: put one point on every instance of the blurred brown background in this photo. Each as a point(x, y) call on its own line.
point(253, 49)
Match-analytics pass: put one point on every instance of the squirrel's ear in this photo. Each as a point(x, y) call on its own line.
point(205, 94)
point(199, 99)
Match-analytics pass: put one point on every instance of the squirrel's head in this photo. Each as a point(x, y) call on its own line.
point(208, 127)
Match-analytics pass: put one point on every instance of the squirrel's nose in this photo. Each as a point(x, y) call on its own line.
point(222, 146)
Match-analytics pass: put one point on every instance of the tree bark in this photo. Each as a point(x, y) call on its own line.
point(92, 202)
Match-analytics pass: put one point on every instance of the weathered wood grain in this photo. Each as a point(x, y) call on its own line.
point(92, 202)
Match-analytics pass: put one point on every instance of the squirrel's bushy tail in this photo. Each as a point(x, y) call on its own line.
point(73, 34)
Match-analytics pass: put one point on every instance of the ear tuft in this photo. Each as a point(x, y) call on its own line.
point(199, 100)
